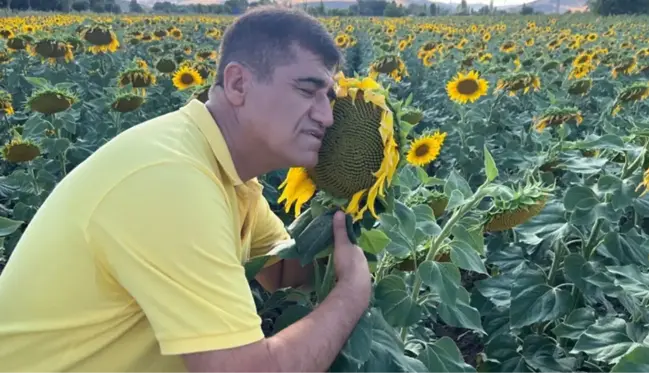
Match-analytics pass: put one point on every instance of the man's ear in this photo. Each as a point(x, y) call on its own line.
point(236, 79)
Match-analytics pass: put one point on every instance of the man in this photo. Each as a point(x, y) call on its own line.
point(135, 261)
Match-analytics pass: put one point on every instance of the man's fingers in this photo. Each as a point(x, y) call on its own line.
point(340, 230)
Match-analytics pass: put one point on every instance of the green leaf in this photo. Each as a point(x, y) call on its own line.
point(444, 356)
point(540, 352)
point(373, 241)
point(577, 269)
point(55, 147)
point(358, 345)
point(461, 314)
point(583, 165)
point(534, 301)
point(504, 350)
point(625, 249)
point(34, 128)
point(399, 245)
point(474, 237)
point(456, 182)
point(497, 289)
point(576, 323)
point(608, 183)
point(606, 341)
point(290, 316)
point(407, 218)
point(632, 280)
point(577, 194)
point(607, 141)
point(395, 302)
point(549, 225)
point(637, 360)
point(624, 195)
point(387, 353)
point(37, 82)
point(465, 257)
point(455, 200)
point(443, 278)
point(490, 165)
point(9, 226)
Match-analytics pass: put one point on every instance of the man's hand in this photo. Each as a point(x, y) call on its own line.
point(312, 343)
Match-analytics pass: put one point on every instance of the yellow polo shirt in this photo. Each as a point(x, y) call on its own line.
point(137, 256)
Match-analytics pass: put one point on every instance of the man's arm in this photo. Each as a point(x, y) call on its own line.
point(286, 273)
point(309, 345)
point(313, 342)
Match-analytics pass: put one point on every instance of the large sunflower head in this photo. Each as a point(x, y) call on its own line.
point(359, 154)
point(467, 87)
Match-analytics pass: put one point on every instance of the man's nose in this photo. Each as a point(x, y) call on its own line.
point(323, 113)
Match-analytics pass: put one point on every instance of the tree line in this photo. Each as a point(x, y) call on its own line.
point(359, 8)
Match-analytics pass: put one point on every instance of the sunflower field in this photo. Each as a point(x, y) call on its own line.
point(503, 209)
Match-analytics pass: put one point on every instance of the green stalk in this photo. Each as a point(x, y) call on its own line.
point(558, 254)
point(30, 170)
point(592, 238)
point(437, 243)
point(327, 281)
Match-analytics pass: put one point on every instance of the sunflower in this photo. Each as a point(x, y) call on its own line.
point(522, 204)
point(186, 77)
point(127, 102)
point(102, 38)
point(51, 49)
point(638, 91)
point(342, 40)
point(467, 87)
point(359, 153)
point(626, 66)
point(389, 64)
point(554, 116)
point(426, 148)
point(515, 82)
point(48, 100)
point(19, 150)
point(6, 107)
point(508, 47)
point(139, 78)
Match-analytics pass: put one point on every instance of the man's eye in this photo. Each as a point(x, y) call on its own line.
point(307, 92)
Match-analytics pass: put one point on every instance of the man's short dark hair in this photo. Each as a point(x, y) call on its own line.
point(263, 38)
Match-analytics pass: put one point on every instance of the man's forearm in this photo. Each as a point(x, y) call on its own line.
point(312, 343)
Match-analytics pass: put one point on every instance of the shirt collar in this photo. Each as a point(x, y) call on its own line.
point(202, 118)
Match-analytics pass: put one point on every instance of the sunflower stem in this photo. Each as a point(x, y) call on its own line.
point(439, 240)
point(590, 245)
point(328, 279)
point(558, 255)
point(30, 170)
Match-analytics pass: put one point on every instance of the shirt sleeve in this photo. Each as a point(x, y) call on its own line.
point(269, 230)
point(167, 236)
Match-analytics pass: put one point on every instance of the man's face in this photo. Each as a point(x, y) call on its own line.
point(290, 113)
